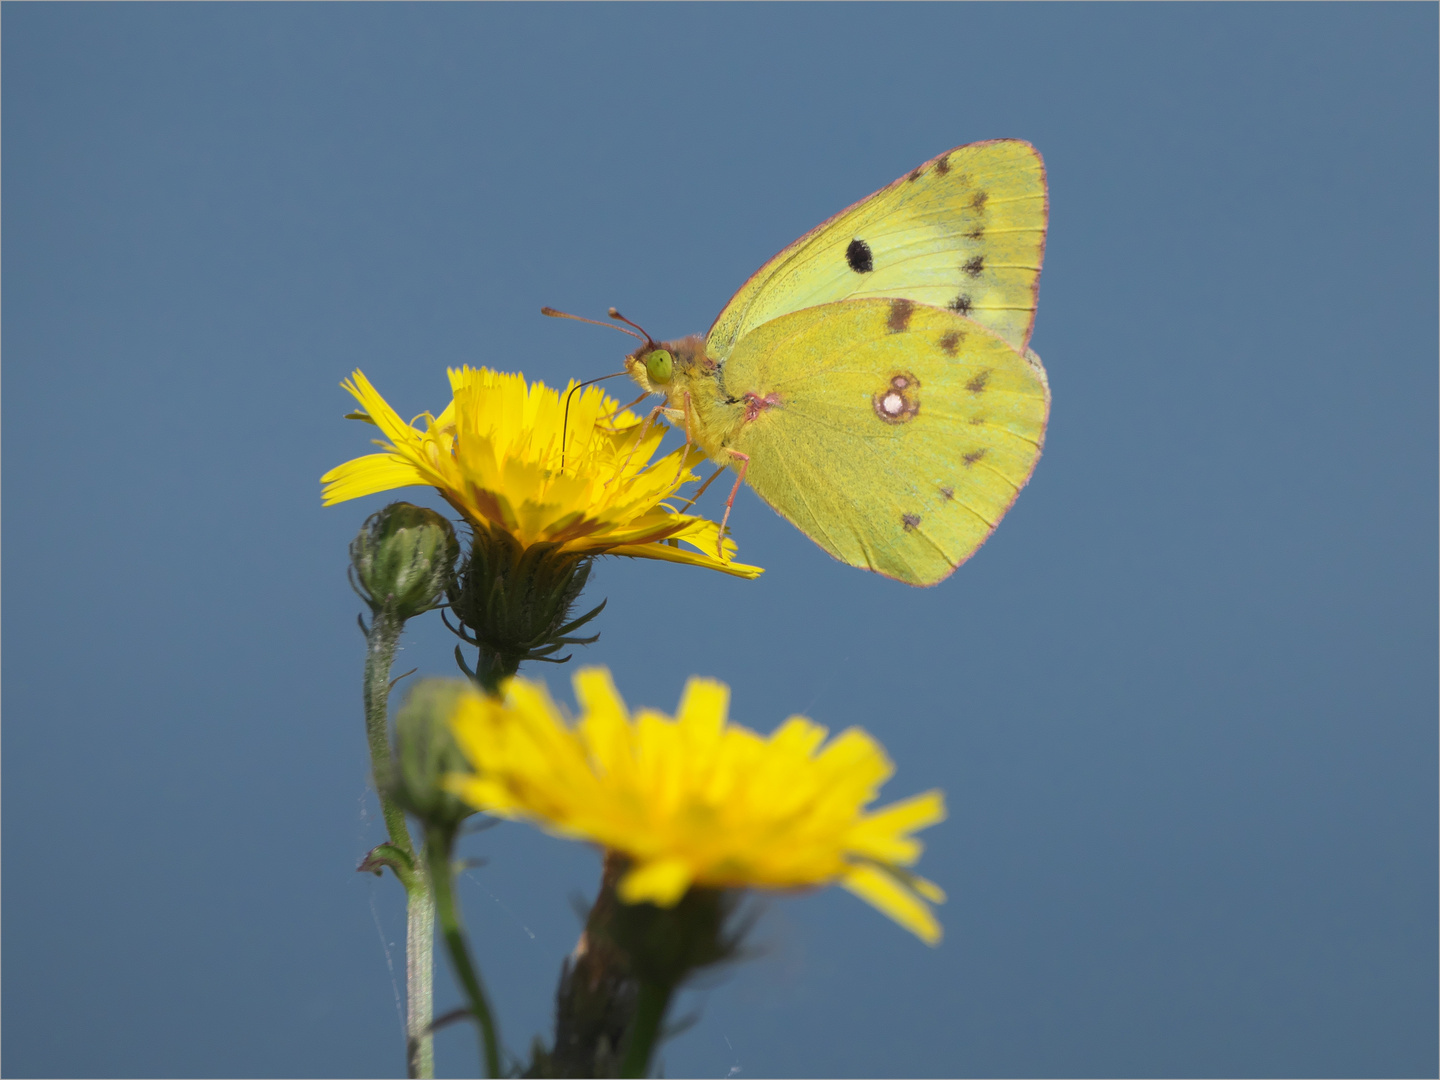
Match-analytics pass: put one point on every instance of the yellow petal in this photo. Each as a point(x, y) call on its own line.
point(665, 553)
point(884, 834)
point(662, 882)
point(885, 893)
point(494, 452)
point(702, 712)
point(697, 799)
point(367, 475)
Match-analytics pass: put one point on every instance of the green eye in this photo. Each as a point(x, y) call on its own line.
point(660, 366)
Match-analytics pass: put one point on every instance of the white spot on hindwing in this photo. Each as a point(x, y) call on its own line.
point(899, 400)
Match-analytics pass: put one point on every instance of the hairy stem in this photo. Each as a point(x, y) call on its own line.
point(419, 976)
point(380, 644)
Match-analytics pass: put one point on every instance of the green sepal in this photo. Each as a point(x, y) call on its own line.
point(514, 604)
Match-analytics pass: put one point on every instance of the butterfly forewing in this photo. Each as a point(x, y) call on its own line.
point(964, 232)
point(901, 438)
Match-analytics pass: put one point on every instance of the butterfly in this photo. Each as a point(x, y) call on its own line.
point(873, 382)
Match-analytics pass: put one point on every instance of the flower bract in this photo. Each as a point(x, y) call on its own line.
point(695, 799)
point(507, 455)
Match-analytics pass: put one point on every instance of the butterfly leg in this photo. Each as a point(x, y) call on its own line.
point(708, 480)
point(689, 442)
point(644, 430)
point(624, 408)
point(730, 502)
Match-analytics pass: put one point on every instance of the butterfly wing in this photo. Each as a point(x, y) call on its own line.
point(965, 230)
point(895, 435)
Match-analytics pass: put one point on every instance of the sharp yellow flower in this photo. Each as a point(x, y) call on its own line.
point(696, 799)
point(495, 453)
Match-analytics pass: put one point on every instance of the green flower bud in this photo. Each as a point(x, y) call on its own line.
point(516, 604)
point(403, 559)
point(425, 751)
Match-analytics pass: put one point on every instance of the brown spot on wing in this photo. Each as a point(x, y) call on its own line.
point(942, 166)
point(979, 201)
point(975, 267)
point(948, 492)
point(977, 384)
point(910, 521)
point(950, 343)
point(973, 456)
point(976, 233)
point(915, 175)
point(900, 312)
point(977, 421)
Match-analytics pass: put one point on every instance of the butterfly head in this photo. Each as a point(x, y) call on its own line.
point(652, 366)
point(662, 367)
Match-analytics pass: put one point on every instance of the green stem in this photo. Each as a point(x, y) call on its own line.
point(492, 668)
point(419, 976)
point(380, 646)
point(438, 844)
point(650, 1008)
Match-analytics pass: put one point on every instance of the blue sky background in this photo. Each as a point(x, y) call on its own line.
point(1183, 704)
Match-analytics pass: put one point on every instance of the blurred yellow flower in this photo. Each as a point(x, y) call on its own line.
point(697, 800)
point(495, 453)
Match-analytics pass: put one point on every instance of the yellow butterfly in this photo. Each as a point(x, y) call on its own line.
point(873, 381)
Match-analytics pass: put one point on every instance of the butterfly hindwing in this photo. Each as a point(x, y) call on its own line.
point(965, 231)
point(893, 434)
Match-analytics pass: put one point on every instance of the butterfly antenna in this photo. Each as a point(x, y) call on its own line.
point(616, 315)
point(550, 311)
point(565, 423)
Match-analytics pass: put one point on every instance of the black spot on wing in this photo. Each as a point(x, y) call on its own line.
point(961, 304)
point(859, 256)
point(977, 233)
point(975, 267)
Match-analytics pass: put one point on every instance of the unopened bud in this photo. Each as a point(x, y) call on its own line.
point(403, 559)
point(425, 752)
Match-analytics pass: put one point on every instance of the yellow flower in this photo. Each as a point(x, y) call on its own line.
point(697, 800)
point(495, 454)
